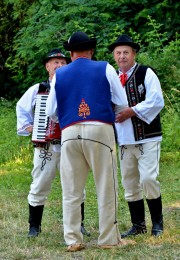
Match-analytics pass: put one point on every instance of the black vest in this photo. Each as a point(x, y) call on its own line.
point(44, 87)
point(136, 91)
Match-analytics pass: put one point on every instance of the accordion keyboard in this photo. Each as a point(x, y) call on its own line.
point(40, 118)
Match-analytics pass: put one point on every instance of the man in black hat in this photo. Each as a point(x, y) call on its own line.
point(139, 135)
point(46, 155)
point(83, 93)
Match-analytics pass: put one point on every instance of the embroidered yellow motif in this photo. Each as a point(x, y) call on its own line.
point(84, 109)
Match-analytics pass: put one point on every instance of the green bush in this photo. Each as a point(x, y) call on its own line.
point(11, 146)
point(171, 131)
point(163, 58)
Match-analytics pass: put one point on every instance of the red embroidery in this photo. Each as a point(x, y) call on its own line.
point(84, 109)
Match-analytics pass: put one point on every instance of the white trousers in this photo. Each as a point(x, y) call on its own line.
point(139, 169)
point(43, 177)
point(86, 147)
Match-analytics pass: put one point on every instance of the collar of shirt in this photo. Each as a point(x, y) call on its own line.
point(129, 72)
point(81, 57)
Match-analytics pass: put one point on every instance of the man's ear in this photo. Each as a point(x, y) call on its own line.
point(47, 66)
point(71, 53)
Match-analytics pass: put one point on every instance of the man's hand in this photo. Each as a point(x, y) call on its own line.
point(29, 129)
point(125, 114)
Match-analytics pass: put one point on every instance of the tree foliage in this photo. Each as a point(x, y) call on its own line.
point(33, 27)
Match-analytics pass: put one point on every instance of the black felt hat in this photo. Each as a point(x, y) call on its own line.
point(124, 40)
point(55, 53)
point(80, 41)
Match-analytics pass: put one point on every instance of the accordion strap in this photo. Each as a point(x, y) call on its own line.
point(44, 86)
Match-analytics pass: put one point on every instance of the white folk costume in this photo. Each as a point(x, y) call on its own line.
point(44, 171)
point(139, 140)
point(41, 185)
point(46, 159)
point(86, 117)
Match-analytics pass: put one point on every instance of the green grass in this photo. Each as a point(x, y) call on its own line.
point(15, 178)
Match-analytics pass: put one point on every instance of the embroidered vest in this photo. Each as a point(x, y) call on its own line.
point(44, 87)
point(83, 93)
point(136, 91)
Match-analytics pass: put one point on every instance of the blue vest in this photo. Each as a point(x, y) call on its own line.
point(83, 93)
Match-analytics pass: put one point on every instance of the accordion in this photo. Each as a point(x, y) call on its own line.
point(44, 129)
point(53, 131)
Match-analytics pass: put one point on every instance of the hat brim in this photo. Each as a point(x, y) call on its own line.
point(68, 60)
point(86, 45)
point(131, 44)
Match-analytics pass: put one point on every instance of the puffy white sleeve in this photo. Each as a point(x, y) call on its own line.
point(118, 97)
point(148, 109)
point(51, 105)
point(25, 110)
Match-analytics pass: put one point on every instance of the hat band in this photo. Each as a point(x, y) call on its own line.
point(56, 54)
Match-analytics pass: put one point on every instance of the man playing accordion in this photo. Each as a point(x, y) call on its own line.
point(30, 111)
